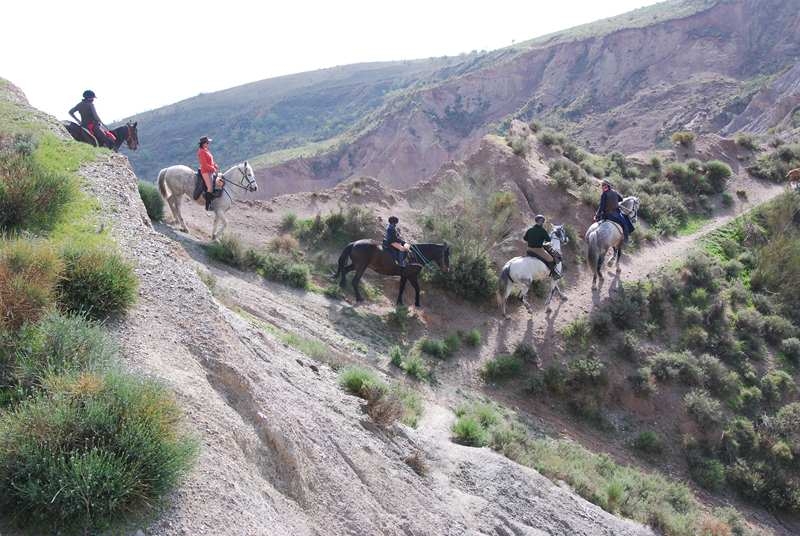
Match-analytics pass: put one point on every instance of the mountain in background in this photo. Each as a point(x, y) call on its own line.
point(625, 83)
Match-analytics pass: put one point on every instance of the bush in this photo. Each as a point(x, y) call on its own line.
point(471, 276)
point(776, 385)
point(791, 349)
point(587, 373)
point(740, 438)
point(228, 249)
point(501, 367)
point(727, 199)
point(96, 282)
point(555, 379)
point(280, 268)
point(747, 141)
point(670, 365)
point(29, 272)
point(152, 201)
point(709, 473)
point(717, 173)
point(31, 196)
point(473, 338)
point(396, 356)
point(435, 347)
point(62, 344)
point(90, 451)
point(777, 328)
point(399, 318)
point(683, 138)
point(415, 366)
point(289, 222)
point(467, 430)
point(525, 353)
point(357, 380)
point(285, 244)
point(648, 442)
point(706, 411)
point(337, 228)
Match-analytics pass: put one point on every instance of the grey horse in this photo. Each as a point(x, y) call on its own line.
point(606, 234)
point(175, 181)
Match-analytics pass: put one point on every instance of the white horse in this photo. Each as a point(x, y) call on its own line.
point(521, 272)
point(606, 234)
point(175, 181)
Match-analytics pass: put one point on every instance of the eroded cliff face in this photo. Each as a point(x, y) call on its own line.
point(726, 68)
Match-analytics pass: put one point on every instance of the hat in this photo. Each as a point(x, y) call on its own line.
point(605, 182)
point(539, 218)
point(393, 219)
point(205, 139)
point(89, 94)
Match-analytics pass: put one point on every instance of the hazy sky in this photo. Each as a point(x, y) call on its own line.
point(143, 54)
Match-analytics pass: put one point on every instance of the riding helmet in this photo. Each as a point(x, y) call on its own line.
point(539, 218)
point(205, 139)
point(605, 182)
point(393, 219)
point(89, 94)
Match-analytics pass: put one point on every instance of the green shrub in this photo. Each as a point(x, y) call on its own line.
point(502, 367)
point(749, 400)
point(228, 249)
point(587, 373)
point(555, 379)
point(280, 268)
point(778, 328)
point(791, 349)
point(677, 365)
point(96, 282)
point(717, 173)
point(452, 343)
point(648, 442)
point(525, 353)
point(740, 438)
point(708, 472)
point(467, 430)
point(152, 201)
point(471, 276)
point(747, 141)
point(727, 199)
point(683, 138)
point(733, 269)
point(416, 367)
point(600, 322)
point(706, 411)
point(32, 196)
point(357, 380)
point(396, 355)
point(566, 174)
point(435, 347)
point(577, 331)
point(62, 344)
point(29, 273)
point(473, 338)
point(338, 227)
point(399, 318)
point(776, 385)
point(91, 451)
point(289, 222)
point(643, 382)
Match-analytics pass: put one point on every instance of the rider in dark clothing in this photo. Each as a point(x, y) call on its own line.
point(609, 209)
point(538, 240)
point(394, 244)
point(91, 121)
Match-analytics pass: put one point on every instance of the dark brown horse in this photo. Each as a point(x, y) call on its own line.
point(127, 133)
point(364, 254)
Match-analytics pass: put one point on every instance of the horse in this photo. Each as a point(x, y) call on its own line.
point(175, 181)
point(521, 272)
point(606, 234)
point(365, 254)
point(127, 133)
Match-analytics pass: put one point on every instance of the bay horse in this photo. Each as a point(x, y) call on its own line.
point(364, 254)
point(521, 272)
point(176, 181)
point(606, 234)
point(127, 133)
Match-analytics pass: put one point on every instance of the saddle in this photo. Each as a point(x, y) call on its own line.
point(615, 224)
point(200, 185)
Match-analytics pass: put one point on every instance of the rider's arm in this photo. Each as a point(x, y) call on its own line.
point(600, 208)
point(93, 113)
point(72, 112)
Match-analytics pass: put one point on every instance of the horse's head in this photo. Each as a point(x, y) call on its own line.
point(444, 261)
point(248, 176)
point(630, 206)
point(560, 234)
point(132, 135)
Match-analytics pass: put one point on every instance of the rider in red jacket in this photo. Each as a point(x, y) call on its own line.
point(208, 168)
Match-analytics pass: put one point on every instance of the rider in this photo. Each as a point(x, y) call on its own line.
point(396, 245)
point(208, 169)
point(91, 121)
point(609, 209)
point(538, 240)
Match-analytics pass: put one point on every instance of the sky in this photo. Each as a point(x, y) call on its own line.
point(139, 55)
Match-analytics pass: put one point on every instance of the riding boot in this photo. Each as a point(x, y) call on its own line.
point(209, 198)
point(554, 273)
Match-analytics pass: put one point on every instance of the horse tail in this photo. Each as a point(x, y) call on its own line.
point(162, 184)
point(505, 279)
point(592, 251)
point(343, 260)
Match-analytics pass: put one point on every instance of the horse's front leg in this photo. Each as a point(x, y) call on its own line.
point(525, 301)
point(223, 223)
point(356, 280)
point(177, 201)
point(402, 289)
point(619, 254)
point(415, 284)
point(553, 287)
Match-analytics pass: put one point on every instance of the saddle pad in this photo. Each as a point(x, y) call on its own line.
point(615, 224)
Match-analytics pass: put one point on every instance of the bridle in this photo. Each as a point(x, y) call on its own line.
point(129, 138)
point(425, 260)
point(251, 182)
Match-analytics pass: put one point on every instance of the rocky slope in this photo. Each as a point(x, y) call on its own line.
point(283, 449)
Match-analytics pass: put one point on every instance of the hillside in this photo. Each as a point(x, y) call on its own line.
point(623, 84)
